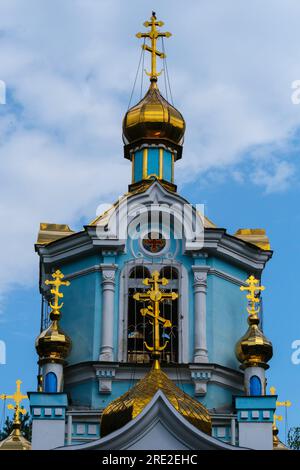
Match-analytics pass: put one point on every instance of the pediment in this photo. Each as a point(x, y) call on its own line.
point(158, 427)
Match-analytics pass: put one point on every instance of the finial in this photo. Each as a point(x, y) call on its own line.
point(253, 289)
point(276, 417)
point(155, 296)
point(17, 397)
point(153, 35)
point(56, 307)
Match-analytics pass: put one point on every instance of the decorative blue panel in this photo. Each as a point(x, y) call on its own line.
point(167, 167)
point(255, 386)
point(138, 165)
point(50, 383)
point(153, 162)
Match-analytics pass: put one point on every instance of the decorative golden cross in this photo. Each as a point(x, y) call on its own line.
point(286, 403)
point(275, 419)
point(153, 35)
point(57, 276)
point(155, 296)
point(253, 288)
point(17, 397)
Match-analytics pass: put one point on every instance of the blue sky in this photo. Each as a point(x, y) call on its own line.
point(69, 69)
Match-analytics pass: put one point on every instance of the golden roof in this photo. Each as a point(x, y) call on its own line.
point(51, 232)
point(53, 343)
point(127, 407)
point(254, 349)
point(15, 441)
point(153, 118)
point(256, 236)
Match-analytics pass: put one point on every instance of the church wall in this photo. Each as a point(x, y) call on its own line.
point(82, 318)
point(225, 322)
point(82, 311)
point(80, 394)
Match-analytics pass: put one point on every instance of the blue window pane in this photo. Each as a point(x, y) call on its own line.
point(50, 383)
point(167, 166)
point(153, 162)
point(138, 165)
point(255, 386)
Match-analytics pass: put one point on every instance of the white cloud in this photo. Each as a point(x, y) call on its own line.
point(69, 68)
point(274, 178)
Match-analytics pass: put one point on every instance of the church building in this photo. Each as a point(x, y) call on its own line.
point(152, 323)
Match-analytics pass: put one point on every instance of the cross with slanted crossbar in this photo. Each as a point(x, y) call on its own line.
point(17, 397)
point(155, 296)
point(286, 403)
point(57, 282)
point(253, 288)
point(153, 35)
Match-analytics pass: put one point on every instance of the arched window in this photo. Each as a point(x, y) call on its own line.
point(50, 383)
point(139, 327)
point(255, 386)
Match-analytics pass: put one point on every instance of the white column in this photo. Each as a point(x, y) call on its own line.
point(200, 288)
point(108, 300)
point(233, 433)
point(69, 429)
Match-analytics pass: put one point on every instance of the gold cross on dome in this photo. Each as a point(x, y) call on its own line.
point(56, 283)
point(17, 397)
point(155, 296)
point(153, 35)
point(253, 288)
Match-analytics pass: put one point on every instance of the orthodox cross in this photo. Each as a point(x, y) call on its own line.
point(286, 404)
point(275, 419)
point(153, 35)
point(253, 288)
point(155, 296)
point(17, 397)
point(56, 283)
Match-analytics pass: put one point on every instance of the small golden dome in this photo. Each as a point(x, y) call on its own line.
point(254, 349)
point(125, 408)
point(53, 343)
point(277, 444)
point(153, 118)
point(15, 441)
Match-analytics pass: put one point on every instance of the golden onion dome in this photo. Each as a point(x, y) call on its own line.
point(15, 441)
point(153, 118)
point(254, 349)
point(53, 343)
point(127, 407)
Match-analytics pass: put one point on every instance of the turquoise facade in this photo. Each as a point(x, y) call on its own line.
point(45, 406)
point(82, 317)
point(256, 409)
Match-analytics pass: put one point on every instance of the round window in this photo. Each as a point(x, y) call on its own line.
point(154, 242)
